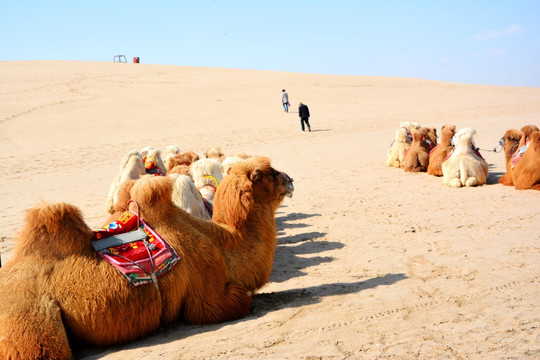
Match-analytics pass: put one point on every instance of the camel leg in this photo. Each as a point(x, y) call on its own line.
point(455, 183)
point(34, 331)
point(472, 181)
point(506, 179)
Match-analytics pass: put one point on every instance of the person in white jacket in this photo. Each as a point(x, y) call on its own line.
point(285, 100)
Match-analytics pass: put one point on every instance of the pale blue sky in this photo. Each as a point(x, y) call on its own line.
point(471, 41)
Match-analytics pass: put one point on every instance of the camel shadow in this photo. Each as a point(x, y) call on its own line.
point(263, 304)
point(290, 259)
point(493, 177)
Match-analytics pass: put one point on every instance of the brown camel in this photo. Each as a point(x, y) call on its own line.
point(526, 172)
point(441, 151)
point(526, 132)
point(510, 140)
point(417, 157)
point(57, 285)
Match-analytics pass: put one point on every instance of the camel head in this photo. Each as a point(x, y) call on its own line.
point(54, 230)
point(419, 135)
point(510, 140)
point(431, 135)
point(252, 182)
point(447, 132)
point(450, 127)
point(402, 135)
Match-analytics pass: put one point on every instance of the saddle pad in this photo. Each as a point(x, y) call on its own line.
point(141, 255)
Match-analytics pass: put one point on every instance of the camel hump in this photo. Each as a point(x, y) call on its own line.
point(535, 141)
point(152, 190)
point(53, 230)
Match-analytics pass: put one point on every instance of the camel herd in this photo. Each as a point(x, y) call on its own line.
point(457, 159)
point(57, 291)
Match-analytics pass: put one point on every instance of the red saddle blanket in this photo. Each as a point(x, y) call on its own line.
point(135, 249)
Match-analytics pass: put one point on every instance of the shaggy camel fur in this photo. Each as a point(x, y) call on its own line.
point(213, 153)
point(57, 285)
point(440, 152)
point(401, 144)
point(207, 175)
point(431, 137)
point(417, 157)
point(526, 132)
point(146, 150)
point(131, 168)
point(510, 140)
point(179, 164)
point(464, 167)
point(170, 150)
point(228, 162)
point(186, 196)
point(526, 172)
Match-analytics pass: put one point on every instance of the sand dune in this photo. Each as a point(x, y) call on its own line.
point(372, 262)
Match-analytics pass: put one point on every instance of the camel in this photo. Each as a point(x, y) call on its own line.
point(179, 164)
point(399, 147)
point(464, 166)
point(206, 174)
point(56, 289)
point(510, 142)
point(441, 151)
point(170, 150)
point(229, 161)
point(145, 150)
point(431, 138)
point(417, 157)
point(526, 172)
point(153, 162)
point(214, 153)
point(186, 196)
point(524, 142)
point(131, 168)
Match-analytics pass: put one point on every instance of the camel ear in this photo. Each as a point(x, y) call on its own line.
point(255, 175)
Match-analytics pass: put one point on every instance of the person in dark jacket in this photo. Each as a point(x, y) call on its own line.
point(303, 112)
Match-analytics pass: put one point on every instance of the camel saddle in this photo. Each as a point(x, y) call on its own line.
point(135, 249)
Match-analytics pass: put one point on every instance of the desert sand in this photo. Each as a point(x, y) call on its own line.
point(371, 263)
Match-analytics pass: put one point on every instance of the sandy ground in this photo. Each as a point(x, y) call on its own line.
point(372, 262)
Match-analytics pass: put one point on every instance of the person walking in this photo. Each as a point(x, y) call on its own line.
point(285, 100)
point(303, 112)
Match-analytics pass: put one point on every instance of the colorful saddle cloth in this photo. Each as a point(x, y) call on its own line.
point(135, 249)
point(518, 154)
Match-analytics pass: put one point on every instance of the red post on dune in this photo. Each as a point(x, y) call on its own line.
point(135, 60)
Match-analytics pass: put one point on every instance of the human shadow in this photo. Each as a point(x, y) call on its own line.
point(263, 304)
point(320, 130)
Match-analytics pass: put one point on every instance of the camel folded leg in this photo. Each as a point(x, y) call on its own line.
point(33, 330)
point(231, 302)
